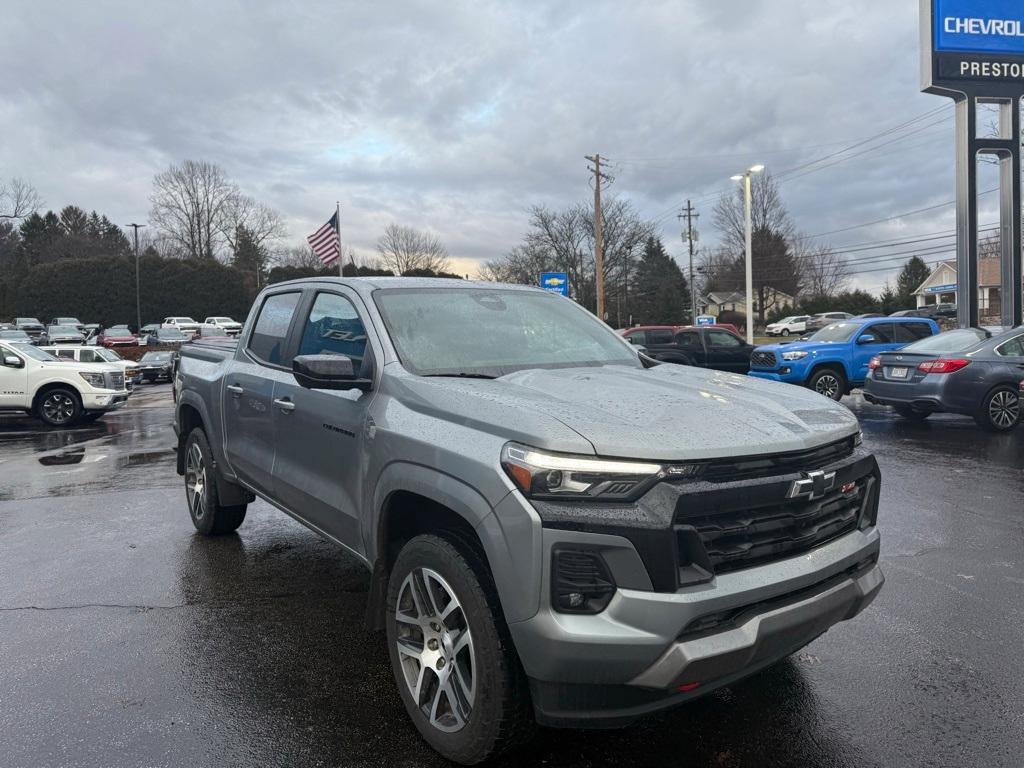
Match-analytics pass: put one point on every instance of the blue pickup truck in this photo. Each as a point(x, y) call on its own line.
point(835, 359)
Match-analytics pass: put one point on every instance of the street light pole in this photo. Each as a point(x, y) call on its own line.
point(748, 231)
point(138, 300)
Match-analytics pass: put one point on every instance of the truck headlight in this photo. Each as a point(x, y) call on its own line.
point(93, 379)
point(543, 475)
point(794, 355)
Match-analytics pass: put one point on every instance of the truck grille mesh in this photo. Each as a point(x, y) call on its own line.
point(745, 538)
point(762, 359)
point(117, 381)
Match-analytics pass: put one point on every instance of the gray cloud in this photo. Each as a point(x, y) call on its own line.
point(459, 116)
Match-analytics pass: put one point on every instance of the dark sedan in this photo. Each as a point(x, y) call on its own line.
point(157, 365)
point(64, 334)
point(965, 371)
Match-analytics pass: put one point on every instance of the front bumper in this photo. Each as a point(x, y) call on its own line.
point(785, 375)
point(107, 401)
point(611, 668)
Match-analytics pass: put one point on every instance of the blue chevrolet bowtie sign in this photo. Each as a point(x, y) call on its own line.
point(556, 282)
point(979, 26)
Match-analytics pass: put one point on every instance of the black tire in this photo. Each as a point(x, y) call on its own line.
point(498, 714)
point(829, 382)
point(59, 407)
point(1000, 409)
point(910, 413)
point(785, 331)
point(209, 516)
point(150, 379)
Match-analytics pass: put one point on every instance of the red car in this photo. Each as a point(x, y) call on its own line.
point(118, 336)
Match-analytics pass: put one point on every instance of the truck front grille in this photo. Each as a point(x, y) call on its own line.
point(762, 359)
point(749, 467)
point(116, 380)
point(744, 538)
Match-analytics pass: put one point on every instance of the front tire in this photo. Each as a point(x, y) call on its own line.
point(209, 516)
point(59, 407)
point(451, 654)
point(1000, 410)
point(785, 331)
point(828, 382)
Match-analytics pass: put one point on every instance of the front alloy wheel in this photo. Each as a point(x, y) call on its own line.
point(829, 383)
point(59, 408)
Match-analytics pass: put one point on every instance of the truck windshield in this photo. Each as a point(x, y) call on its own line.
point(484, 332)
point(836, 332)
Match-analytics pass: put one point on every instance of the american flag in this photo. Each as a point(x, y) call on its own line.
point(325, 242)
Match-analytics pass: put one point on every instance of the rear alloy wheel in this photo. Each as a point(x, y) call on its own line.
point(59, 408)
point(911, 414)
point(828, 382)
point(1000, 410)
point(209, 516)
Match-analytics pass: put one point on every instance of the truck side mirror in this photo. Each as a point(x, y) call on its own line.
point(13, 361)
point(866, 338)
point(328, 372)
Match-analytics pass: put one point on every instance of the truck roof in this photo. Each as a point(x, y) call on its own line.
point(367, 284)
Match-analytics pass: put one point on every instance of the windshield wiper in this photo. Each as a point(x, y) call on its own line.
point(461, 375)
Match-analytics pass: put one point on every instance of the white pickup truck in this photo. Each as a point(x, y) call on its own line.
point(226, 324)
point(186, 325)
point(60, 393)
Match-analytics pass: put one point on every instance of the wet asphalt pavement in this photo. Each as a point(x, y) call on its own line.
point(127, 640)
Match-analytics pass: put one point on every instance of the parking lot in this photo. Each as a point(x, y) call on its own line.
point(127, 639)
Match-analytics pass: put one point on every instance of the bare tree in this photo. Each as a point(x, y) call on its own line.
point(18, 199)
point(767, 213)
point(297, 256)
point(262, 222)
point(402, 248)
point(189, 206)
point(823, 272)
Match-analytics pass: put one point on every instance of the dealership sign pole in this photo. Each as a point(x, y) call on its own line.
point(973, 52)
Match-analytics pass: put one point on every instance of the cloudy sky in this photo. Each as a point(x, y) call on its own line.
point(457, 116)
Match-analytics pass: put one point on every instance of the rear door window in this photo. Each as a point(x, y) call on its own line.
point(1012, 348)
point(637, 337)
point(659, 336)
point(688, 340)
point(270, 333)
point(907, 333)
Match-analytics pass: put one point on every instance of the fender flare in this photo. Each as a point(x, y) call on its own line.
point(515, 594)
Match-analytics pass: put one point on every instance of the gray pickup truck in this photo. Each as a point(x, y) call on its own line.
point(558, 528)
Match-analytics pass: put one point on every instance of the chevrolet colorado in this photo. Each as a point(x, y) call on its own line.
point(558, 529)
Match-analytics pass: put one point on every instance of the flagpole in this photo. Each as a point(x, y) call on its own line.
point(337, 229)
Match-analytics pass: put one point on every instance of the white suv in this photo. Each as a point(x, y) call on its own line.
point(132, 370)
point(788, 325)
point(226, 324)
point(60, 392)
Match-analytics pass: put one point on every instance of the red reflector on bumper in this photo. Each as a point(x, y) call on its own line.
point(687, 687)
point(848, 488)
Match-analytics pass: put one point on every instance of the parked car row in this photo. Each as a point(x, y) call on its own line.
point(70, 330)
point(904, 361)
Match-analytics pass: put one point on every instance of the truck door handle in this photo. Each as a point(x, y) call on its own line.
point(235, 390)
point(285, 404)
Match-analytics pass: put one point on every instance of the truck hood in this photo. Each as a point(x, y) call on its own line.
point(805, 346)
point(668, 412)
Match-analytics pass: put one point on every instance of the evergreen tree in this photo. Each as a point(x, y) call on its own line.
point(661, 293)
point(914, 272)
point(250, 259)
point(888, 301)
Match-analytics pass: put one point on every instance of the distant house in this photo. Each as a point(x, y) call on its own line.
point(940, 286)
point(736, 301)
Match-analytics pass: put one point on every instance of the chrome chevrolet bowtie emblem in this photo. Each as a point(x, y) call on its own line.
point(814, 485)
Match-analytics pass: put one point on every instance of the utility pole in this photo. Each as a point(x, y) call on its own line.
point(138, 301)
point(598, 231)
point(691, 237)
